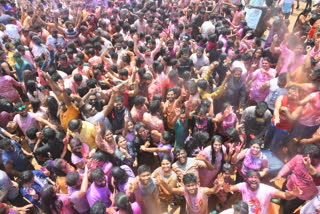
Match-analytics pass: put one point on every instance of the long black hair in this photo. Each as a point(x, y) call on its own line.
point(53, 106)
point(49, 200)
point(213, 154)
point(121, 201)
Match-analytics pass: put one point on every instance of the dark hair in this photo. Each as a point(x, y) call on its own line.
point(121, 201)
point(241, 207)
point(139, 100)
point(74, 124)
point(57, 167)
point(35, 103)
point(72, 178)
point(166, 136)
point(143, 168)
point(103, 157)
point(262, 106)
point(233, 133)
point(255, 141)
point(96, 174)
point(227, 167)
point(189, 178)
point(154, 106)
point(48, 133)
point(31, 86)
point(49, 200)
point(252, 172)
point(25, 177)
point(219, 139)
point(120, 176)
point(178, 150)
point(32, 132)
point(203, 84)
point(4, 143)
point(312, 150)
point(98, 208)
point(157, 97)
point(53, 106)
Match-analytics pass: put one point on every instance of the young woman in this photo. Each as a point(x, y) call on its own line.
point(125, 153)
point(61, 168)
point(106, 143)
point(103, 160)
point(253, 159)
point(54, 203)
point(121, 201)
point(121, 177)
point(80, 152)
point(215, 153)
point(170, 177)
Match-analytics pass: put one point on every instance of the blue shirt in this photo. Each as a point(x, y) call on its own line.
point(16, 158)
point(20, 68)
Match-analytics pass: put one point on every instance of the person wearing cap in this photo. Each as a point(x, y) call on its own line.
point(55, 38)
point(20, 65)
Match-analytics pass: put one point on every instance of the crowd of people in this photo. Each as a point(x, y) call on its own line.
point(147, 107)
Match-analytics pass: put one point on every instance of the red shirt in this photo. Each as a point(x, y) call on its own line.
point(284, 122)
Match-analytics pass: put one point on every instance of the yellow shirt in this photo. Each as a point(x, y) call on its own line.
point(213, 95)
point(87, 134)
point(71, 113)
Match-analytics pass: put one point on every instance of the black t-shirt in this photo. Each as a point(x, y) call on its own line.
point(202, 126)
point(68, 70)
point(184, 66)
point(315, 17)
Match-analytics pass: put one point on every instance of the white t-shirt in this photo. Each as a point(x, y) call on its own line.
point(228, 211)
point(207, 27)
point(313, 206)
point(259, 200)
point(274, 92)
point(12, 31)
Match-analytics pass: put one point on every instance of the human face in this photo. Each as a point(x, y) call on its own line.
point(253, 182)
point(265, 65)
point(91, 110)
point(202, 117)
point(237, 75)
point(170, 96)
point(166, 165)
point(258, 53)
point(182, 157)
point(93, 100)
point(118, 105)
point(217, 146)
point(183, 117)
point(299, 50)
point(76, 146)
point(191, 188)
point(22, 111)
point(78, 129)
point(122, 143)
point(255, 149)
point(293, 94)
point(281, 83)
point(108, 136)
point(145, 178)
point(260, 113)
point(101, 182)
point(130, 126)
point(199, 54)
point(170, 46)
point(143, 133)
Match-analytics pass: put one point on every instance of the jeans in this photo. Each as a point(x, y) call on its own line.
point(300, 131)
point(274, 137)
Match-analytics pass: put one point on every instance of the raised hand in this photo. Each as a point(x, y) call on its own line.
point(307, 161)
point(276, 179)
point(296, 191)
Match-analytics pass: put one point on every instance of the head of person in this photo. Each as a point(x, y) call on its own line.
point(60, 167)
point(89, 110)
point(165, 137)
point(49, 134)
point(17, 57)
point(49, 199)
point(122, 202)
point(21, 109)
point(170, 95)
point(139, 101)
point(181, 155)
point(75, 125)
point(266, 63)
point(98, 177)
point(6, 145)
point(190, 182)
point(315, 74)
point(313, 151)
point(166, 163)
point(141, 130)
point(27, 177)
point(236, 73)
point(227, 170)
point(293, 93)
point(76, 146)
point(32, 132)
point(299, 49)
point(261, 108)
point(282, 80)
point(119, 175)
point(144, 173)
point(202, 113)
point(73, 180)
point(199, 52)
point(216, 146)
point(253, 179)
point(98, 208)
point(255, 146)
point(121, 141)
point(54, 33)
point(240, 207)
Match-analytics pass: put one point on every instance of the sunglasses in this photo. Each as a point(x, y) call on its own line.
point(21, 108)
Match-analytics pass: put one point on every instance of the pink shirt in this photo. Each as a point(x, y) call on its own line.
point(153, 122)
point(196, 204)
point(228, 122)
point(289, 56)
point(299, 177)
point(311, 111)
point(95, 193)
point(259, 200)
point(84, 151)
point(67, 207)
point(254, 163)
point(7, 90)
point(28, 122)
point(255, 93)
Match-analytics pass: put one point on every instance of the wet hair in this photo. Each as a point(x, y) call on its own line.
point(189, 178)
point(49, 200)
point(255, 141)
point(215, 138)
point(35, 103)
point(103, 157)
point(98, 208)
point(91, 83)
point(312, 150)
point(121, 201)
point(120, 176)
point(32, 132)
point(72, 178)
point(57, 167)
point(143, 168)
point(241, 207)
point(96, 174)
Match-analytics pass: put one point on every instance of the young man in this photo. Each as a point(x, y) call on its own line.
point(145, 190)
point(196, 197)
point(257, 195)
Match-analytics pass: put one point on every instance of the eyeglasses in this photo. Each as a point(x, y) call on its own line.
point(21, 108)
